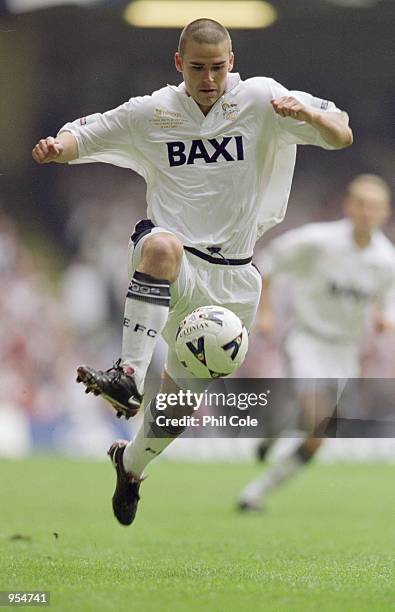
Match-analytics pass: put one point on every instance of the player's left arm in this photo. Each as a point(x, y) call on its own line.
point(332, 126)
point(384, 308)
point(382, 324)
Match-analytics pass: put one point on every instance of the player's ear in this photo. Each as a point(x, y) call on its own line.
point(178, 61)
point(386, 212)
point(231, 61)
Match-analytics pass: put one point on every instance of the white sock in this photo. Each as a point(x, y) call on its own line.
point(280, 471)
point(149, 442)
point(146, 312)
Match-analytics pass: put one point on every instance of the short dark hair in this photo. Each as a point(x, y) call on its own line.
point(204, 31)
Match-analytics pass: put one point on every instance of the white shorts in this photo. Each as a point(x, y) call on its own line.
point(201, 283)
point(309, 356)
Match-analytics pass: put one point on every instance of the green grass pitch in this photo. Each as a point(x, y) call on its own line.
point(326, 542)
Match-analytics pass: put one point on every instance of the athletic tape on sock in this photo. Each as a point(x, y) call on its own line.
point(161, 431)
point(145, 288)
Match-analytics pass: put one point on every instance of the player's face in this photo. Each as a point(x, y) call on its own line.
point(367, 206)
point(205, 69)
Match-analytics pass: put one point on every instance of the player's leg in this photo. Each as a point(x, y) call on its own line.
point(316, 403)
point(155, 258)
point(263, 448)
point(283, 418)
point(148, 299)
point(308, 360)
point(130, 459)
point(280, 470)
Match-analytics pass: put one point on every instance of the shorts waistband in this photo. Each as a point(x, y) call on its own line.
point(220, 260)
point(214, 255)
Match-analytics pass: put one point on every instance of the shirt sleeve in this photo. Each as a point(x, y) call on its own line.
point(299, 132)
point(386, 299)
point(291, 253)
point(108, 137)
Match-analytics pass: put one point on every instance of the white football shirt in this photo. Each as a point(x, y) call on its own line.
point(216, 180)
point(335, 283)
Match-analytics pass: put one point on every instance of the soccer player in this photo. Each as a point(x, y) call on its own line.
point(343, 278)
point(218, 155)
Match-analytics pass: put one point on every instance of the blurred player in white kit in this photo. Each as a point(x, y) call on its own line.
point(342, 275)
point(218, 156)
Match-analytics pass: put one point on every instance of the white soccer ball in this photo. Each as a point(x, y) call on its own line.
point(211, 342)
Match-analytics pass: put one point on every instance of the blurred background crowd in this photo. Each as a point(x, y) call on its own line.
point(64, 230)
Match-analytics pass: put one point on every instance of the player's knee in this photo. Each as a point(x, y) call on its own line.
point(161, 256)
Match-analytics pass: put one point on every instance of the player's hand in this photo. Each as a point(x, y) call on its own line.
point(47, 150)
point(288, 106)
point(383, 325)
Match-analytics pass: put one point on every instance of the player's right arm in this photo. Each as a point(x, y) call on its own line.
point(61, 149)
point(110, 137)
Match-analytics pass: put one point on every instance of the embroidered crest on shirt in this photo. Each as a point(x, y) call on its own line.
point(166, 119)
point(230, 111)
